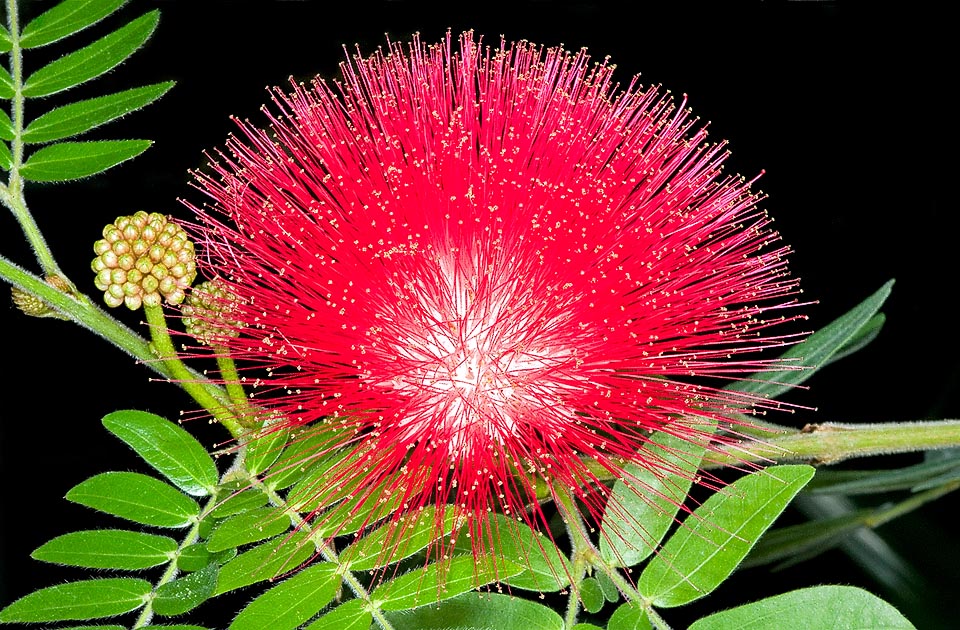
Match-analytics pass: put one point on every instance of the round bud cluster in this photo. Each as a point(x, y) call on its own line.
point(35, 306)
point(142, 259)
point(207, 311)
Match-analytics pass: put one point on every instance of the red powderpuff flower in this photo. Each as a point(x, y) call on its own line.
point(486, 272)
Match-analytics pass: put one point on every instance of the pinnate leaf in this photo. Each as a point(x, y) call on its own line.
point(88, 599)
point(479, 611)
point(716, 537)
point(644, 504)
point(108, 549)
point(393, 542)
point(136, 497)
point(173, 452)
point(629, 616)
point(815, 608)
point(65, 19)
point(264, 450)
point(6, 84)
point(6, 126)
point(186, 593)
point(73, 160)
point(292, 602)
point(248, 527)
point(351, 615)
point(839, 336)
point(82, 116)
point(265, 561)
point(91, 61)
point(6, 158)
point(545, 569)
point(435, 583)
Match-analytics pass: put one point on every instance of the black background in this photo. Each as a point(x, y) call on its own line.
point(844, 107)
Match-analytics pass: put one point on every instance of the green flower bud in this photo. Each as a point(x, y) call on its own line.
point(128, 263)
point(207, 313)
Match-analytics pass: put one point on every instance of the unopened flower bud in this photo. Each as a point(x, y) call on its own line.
point(207, 313)
point(143, 259)
point(35, 306)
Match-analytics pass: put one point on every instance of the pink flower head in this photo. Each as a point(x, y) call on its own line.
point(486, 272)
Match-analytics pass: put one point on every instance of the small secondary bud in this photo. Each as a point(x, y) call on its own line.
point(206, 313)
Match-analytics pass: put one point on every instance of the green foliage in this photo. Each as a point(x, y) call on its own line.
point(718, 535)
point(108, 549)
point(629, 616)
point(65, 19)
point(171, 451)
point(137, 498)
point(82, 116)
point(292, 602)
point(72, 160)
point(65, 161)
point(816, 608)
point(841, 337)
point(437, 582)
point(184, 594)
point(480, 611)
point(91, 61)
point(347, 616)
point(89, 599)
point(648, 496)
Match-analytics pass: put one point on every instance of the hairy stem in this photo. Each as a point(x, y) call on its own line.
point(11, 194)
point(218, 407)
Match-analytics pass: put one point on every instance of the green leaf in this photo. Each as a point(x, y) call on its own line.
point(97, 627)
point(591, 595)
point(194, 557)
point(863, 338)
point(292, 602)
point(305, 453)
point(265, 561)
point(91, 61)
point(393, 542)
point(6, 84)
point(89, 599)
point(186, 593)
point(82, 116)
point(6, 44)
point(72, 160)
point(629, 616)
point(108, 549)
point(175, 627)
point(248, 527)
point(718, 535)
point(545, 569)
point(6, 126)
point(644, 504)
point(64, 19)
point(435, 583)
point(136, 497)
point(237, 502)
point(610, 590)
point(479, 611)
point(264, 449)
point(351, 615)
point(816, 351)
point(815, 608)
point(173, 452)
point(6, 158)
point(586, 626)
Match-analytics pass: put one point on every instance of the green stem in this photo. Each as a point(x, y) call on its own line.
point(583, 552)
point(11, 195)
point(165, 351)
point(231, 380)
point(829, 443)
point(146, 615)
